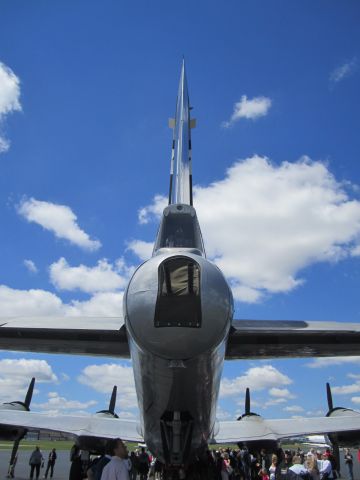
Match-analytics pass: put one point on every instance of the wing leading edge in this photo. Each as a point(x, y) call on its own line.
point(256, 428)
point(80, 426)
point(75, 335)
point(286, 339)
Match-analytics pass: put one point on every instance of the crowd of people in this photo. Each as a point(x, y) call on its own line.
point(222, 464)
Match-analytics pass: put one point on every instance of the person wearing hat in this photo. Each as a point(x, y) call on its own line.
point(326, 468)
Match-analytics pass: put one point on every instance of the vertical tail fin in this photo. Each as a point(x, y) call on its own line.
point(180, 171)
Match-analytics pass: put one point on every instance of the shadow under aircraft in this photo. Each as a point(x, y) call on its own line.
point(177, 327)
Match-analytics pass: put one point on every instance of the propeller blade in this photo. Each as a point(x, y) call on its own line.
point(247, 401)
point(329, 397)
point(29, 393)
point(113, 400)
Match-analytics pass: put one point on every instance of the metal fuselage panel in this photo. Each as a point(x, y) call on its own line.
point(177, 368)
point(193, 388)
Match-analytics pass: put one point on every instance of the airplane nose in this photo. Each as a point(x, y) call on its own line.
point(178, 306)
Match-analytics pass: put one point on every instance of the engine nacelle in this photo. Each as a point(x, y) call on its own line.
point(12, 433)
point(344, 439)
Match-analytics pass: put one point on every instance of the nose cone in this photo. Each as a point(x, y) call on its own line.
point(179, 336)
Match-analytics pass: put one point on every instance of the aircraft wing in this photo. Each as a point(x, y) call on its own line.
point(88, 426)
point(75, 335)
point(257, 428)
point(283, 339)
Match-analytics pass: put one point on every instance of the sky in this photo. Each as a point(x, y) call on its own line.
point(86, 90)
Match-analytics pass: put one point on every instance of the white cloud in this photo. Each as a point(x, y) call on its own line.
point(249, 108)
point(9, 99)
point(222, 414)
point(154, 210)
point(106, 304)
point(28, 302)
point(274, 401)
point(59, 219)
point(346, 389)
point(9, 91)
point(4, 145)
point(256, 378)
point(103, 377)
point(280, 393)
point(343, 71)
point(15, 376)
point(264, 223)
point(355, 400)
point(57, 404)
point(331, 361)
point(39, 303)
point(293, 408)
point(30, 265)
point(102, 278)
point(316, 413)
point(142, 249)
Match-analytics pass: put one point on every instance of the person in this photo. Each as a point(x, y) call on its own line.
point(97, 468)
point(143, 464)
point(76, 472)
point(246, 462)
point(36, 459)
point(285, 464)
point(226, 469)
point(332, 460)
point(264, 462)
point(274, 469)
point(349, 463)
point(133, 469)
point(297, 468)
point(51, 463)
point(326, 468)
point(263, 474)
point(312, 466)
point(118, 467)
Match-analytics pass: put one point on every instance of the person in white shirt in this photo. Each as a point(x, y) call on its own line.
point(118, 467)
point(326, 468)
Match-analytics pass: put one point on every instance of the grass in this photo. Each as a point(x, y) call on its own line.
point(48, 445)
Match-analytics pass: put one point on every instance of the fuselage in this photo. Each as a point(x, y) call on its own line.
point(178, 312)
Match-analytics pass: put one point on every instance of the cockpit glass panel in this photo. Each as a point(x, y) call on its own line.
point(178, 302)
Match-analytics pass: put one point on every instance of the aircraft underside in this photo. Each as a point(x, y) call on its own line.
point(177, 401)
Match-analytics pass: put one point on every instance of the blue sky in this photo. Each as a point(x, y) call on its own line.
point(86, 89)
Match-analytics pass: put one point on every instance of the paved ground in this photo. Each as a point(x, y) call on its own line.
point(22, 470)
point(62, 466)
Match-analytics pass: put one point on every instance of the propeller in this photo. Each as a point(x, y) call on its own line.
point(112, 404)
point(329, 398)
point(248, 412)
point(26, 404)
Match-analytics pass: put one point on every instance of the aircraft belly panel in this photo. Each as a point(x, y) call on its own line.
point(190, 386)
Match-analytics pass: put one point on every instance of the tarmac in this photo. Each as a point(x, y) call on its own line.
point(62, 466)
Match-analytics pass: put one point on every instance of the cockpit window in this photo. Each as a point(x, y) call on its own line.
point(178, 302)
